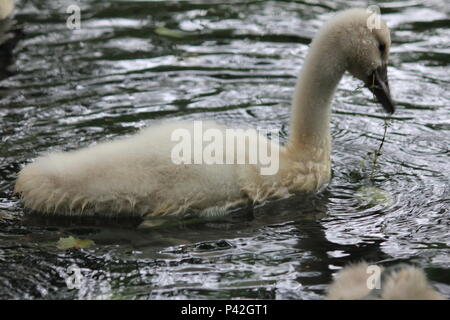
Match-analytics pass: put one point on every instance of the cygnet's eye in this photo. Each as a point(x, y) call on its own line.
point(381, 47)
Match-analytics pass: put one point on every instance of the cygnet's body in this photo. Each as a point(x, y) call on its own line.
point(6, 23)
point(137, 176)
point(10, 34)
point(6, 8)
point(402, 282)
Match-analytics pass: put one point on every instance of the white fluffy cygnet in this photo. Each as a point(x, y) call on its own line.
point(6, 8)
point(401, 282)
point(137, 175)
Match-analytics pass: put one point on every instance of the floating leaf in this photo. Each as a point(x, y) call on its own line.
point(73, 243)
point(6, 216)
point(372, 196)
point(163, 31)
point(152, 223)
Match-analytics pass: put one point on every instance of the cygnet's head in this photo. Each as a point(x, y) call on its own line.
point(364, 40)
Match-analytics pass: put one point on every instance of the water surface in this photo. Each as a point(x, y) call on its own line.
point(235, 61)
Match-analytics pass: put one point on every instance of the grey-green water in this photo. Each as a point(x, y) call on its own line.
point(236, 61)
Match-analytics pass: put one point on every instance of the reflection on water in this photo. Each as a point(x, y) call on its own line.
point(132, 63)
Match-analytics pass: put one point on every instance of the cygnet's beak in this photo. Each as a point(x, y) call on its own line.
point(378, 84)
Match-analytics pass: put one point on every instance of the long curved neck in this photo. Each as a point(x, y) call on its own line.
point(322, 70)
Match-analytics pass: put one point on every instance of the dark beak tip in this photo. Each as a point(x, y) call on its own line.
point(391, 111)
point(388, 104)
point(379, 86)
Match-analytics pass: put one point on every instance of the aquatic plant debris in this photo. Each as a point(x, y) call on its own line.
point(163, 31)
point(73, 243)
point(6, 216)
point(372, 196)
point(378, 153)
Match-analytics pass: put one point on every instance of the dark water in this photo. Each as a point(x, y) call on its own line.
point(235, 61)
